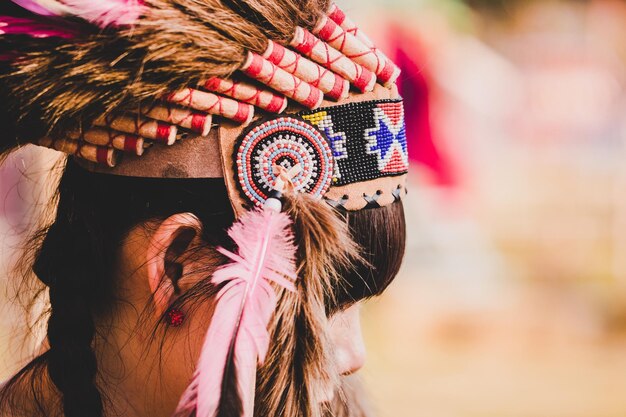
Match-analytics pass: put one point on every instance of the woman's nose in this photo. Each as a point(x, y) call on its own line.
point(348, 340)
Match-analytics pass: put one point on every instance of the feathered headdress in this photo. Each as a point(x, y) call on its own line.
point(309, 123)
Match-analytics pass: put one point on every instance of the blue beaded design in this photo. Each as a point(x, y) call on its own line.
point(368, 139)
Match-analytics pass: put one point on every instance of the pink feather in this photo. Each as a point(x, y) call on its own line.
point(245, 305)
point(105, 13)
point(34, 28)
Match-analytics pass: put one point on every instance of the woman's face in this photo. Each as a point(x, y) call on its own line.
point(347, 338)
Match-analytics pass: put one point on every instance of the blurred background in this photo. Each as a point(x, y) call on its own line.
point(512, 299)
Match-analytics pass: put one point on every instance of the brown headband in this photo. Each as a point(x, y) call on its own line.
point(212, 156)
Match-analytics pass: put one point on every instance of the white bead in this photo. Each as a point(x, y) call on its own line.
point(273, 204)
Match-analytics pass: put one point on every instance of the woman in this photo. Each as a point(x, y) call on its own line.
point(221, 275)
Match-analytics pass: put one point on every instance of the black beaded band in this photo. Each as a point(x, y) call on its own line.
point(368, 139)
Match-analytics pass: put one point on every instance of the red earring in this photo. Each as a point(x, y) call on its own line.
point(174, 317)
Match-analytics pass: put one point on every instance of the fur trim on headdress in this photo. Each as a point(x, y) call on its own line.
point(57, 84)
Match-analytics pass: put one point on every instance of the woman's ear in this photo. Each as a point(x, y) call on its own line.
point(164, 257)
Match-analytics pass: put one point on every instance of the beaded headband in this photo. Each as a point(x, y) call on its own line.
point(352, 153)
point(348, 147)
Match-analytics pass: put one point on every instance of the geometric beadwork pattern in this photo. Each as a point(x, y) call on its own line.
point(338, 140)
point(287, 143)
point(324, 122)
point(388, 139)
point(368, 139)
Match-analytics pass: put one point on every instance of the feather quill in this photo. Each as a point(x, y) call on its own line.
point(238, 336)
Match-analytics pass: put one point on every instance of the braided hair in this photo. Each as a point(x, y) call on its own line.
point(76, 262)
point(71, 362)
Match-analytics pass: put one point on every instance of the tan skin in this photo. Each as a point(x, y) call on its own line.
point(143, 378)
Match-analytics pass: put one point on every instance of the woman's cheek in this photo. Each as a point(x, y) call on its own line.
point(347, 337)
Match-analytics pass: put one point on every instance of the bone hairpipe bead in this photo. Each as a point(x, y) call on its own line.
point(327, 56)
point(137, 125)
point(330, 83)
point(339, 17)
point(280, 80)
point(195, 121)
point(213, 104)
point(99, 154)
point(248, 93)
point(346, 43)
point(110, 138)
